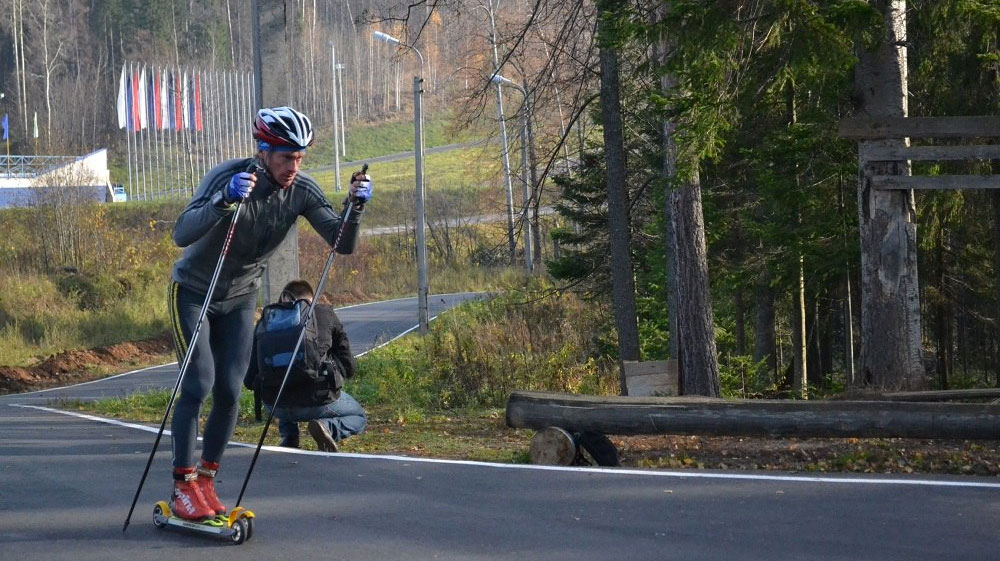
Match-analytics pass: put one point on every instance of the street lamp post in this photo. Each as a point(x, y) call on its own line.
point(343, 119)
point(336, 134)
point(500, 80)
point(418, 141)
point(504, 155)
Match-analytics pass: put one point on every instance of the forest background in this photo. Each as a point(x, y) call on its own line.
point(747, 94)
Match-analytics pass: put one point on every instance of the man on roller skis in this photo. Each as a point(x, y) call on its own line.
point(273, 194)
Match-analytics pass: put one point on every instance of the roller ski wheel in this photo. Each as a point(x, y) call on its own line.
point(237, 526)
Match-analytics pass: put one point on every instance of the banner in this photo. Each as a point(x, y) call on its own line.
point(152, 100)
point(186, 100)
point(6, 128)
point(197, 103)
point(161, 99)
point(168, 99)
point(130, 117)
point(121, 106)
point(141, 100)
point(178, 108)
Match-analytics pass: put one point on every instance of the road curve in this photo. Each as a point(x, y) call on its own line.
point(66, 481)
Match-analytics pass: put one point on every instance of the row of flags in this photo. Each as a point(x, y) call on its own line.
point(5, 123)
point(159, 99)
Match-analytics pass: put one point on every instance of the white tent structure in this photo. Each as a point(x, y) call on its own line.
point(25, 180)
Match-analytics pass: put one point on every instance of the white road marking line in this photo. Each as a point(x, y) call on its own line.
point(610, 471)
point(91, 381)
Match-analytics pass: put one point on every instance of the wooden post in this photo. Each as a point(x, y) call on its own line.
point(655, 377)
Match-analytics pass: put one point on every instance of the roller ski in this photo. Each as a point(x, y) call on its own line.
point(237, 526)
point(194, 506)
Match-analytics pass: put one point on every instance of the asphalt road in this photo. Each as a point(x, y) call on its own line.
point(66, 481)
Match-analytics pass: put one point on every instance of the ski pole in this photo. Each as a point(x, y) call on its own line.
point(190, 350)
point(298, 344)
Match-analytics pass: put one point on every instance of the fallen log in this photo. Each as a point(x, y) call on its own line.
point(772, 418)
point(943, 395)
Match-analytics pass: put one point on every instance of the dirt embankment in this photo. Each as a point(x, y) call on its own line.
point(72, 367)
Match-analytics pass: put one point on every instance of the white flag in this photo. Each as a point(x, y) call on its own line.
point(143, 96)
point(122, 118)
point(165, 102)
point(185, 102)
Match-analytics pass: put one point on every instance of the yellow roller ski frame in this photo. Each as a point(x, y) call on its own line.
point(237, 526)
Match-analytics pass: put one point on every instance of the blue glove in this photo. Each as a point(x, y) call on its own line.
point(363, 192)
point(239, 187)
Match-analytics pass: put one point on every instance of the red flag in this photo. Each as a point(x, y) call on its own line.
point(197, 102)
point(157, 110)
point(136, 121)
point(178, 109)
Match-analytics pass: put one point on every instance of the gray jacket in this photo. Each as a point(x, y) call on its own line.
point(266, 216)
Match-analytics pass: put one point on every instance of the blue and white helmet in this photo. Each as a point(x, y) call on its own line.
point(283, 127)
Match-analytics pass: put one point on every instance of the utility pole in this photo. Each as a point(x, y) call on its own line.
point(500, 80)
point(283, 265)
point(505, 156)
point(418, 152)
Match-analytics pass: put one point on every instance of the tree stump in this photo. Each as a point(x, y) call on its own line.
point(553, 446)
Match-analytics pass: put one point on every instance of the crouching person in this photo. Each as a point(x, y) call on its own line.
point(313, 392)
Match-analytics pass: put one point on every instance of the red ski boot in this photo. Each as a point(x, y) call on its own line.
point(187, 502)
point(206, 482)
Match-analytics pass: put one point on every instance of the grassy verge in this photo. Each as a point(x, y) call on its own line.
point(467, 434)
point(442, 395)
point(363, 140)
point(81, 276)
point(463, 182)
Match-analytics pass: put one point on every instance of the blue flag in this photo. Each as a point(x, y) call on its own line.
point(6, 135)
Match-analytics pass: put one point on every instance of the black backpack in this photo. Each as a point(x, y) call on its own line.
point(277, 333)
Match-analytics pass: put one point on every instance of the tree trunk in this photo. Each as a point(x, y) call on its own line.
point(756, 417)
point(739, 309)
point(800, 360)
point(623, 291)
point(698, 357)
point(825, 321)
point(50, 63)
point(942, 317)
point(764, 346)
point(669, 173)
point(995, 198)
point(890, 307)
point(692, 322)
point(19, 39)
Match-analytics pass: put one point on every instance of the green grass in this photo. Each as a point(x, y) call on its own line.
point(470, 434)
point(461, 182)
point(442, 394)
point(363, 140)
point(379, 139)
point(59, 325)
point(124, 253)
point(443, 171)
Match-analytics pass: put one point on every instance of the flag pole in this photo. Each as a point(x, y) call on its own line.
point(128, 144)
